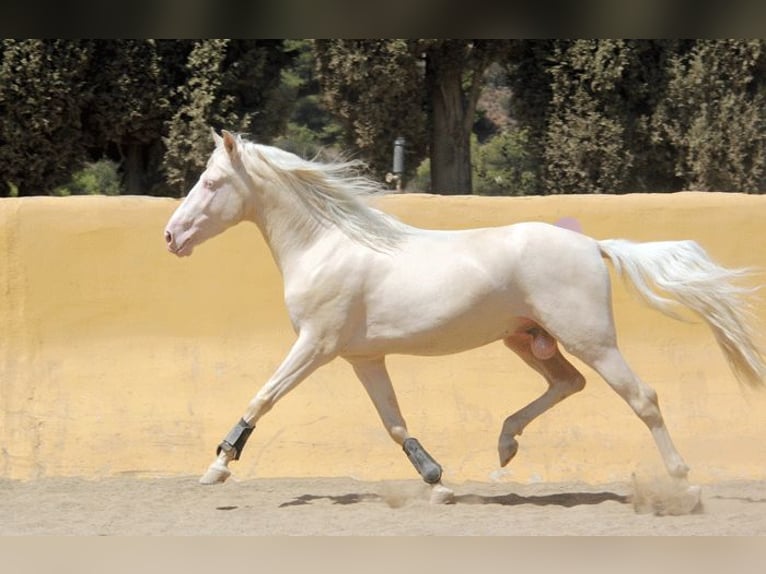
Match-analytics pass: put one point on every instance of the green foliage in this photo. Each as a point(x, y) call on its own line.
point(713, 115)
point(424, 90)
point(504, 165)
point(99, 177)
point(611, 116)
point(528, 75)
point(220, 93)
point(374, 87)
point(42, 85)
point(129, 100)
point(188, 142)
point(556, 116)
point(585, 148)
point(311, 129)
point(587, 107)
point(585, 151)
point(128, 103)
point(421, 181)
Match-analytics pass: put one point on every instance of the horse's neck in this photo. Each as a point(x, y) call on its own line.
point(286, 225)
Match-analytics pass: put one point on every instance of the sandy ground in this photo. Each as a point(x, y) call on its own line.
point(337, 506)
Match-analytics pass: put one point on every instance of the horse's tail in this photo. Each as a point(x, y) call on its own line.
point(666, 273)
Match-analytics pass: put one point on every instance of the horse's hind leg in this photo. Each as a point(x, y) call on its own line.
point(374, 376)
point(540, 352)
point(611, 365)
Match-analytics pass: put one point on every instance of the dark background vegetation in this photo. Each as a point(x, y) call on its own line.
point(500, 117)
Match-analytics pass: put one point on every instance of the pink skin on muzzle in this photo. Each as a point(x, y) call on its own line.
point(181, 250)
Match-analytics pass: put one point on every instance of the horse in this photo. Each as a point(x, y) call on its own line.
point(360, 284)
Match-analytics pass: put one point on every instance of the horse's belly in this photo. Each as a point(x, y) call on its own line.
point(424, 333)
point(440, 343)
point(425, 344)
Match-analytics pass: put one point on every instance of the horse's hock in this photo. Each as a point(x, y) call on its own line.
point(117, 358)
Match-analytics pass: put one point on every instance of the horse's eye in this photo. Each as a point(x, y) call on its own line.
point(209, 184)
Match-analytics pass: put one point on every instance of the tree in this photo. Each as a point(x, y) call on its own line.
point(713, 115)
point(423, 90)
point(454, 73)
point(97, 100)
point(585, 147)
point(129, 103)
point(42, 85)
point(582, 115)
point(232, 84)
point(503, 165)
point(527, 65)
point(587, 106)
point(374, 87)
point(311, 129)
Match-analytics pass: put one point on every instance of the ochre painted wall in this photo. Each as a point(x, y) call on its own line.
point(118, 358)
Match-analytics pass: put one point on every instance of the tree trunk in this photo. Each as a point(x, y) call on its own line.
point(451, 118)
point(134, 169)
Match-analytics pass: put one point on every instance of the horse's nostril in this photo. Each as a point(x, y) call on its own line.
point(168, 237)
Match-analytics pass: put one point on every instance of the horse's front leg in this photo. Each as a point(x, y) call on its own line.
point(301, 361)
point(374, 376)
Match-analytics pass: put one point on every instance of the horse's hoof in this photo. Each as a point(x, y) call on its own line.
point(215, 474)
point(507, 449)
point(666, 497)
point(692, 499)
point(440, 494)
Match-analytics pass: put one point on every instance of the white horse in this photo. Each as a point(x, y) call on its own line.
point(360, 285)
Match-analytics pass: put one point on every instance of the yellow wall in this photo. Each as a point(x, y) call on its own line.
point(118, 358)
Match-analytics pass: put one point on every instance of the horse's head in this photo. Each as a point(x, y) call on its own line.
point(217, 201)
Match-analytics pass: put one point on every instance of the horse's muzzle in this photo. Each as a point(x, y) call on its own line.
point(174, 247)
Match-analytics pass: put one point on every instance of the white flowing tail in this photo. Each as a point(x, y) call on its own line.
point(665, 273)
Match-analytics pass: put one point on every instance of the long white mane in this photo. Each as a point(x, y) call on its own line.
point(332, 193)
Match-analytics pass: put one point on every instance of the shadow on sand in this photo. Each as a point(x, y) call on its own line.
point(563, 499)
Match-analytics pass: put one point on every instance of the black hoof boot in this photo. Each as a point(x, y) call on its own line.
point(428, 468)
point(236, 439)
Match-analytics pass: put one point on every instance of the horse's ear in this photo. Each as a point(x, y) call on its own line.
point(216, 138)
point(230, 144)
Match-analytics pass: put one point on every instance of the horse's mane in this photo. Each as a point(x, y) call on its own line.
point(333, 193)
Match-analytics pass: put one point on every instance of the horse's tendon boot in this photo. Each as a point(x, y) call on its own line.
point(428, 468)
point(236, 439)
